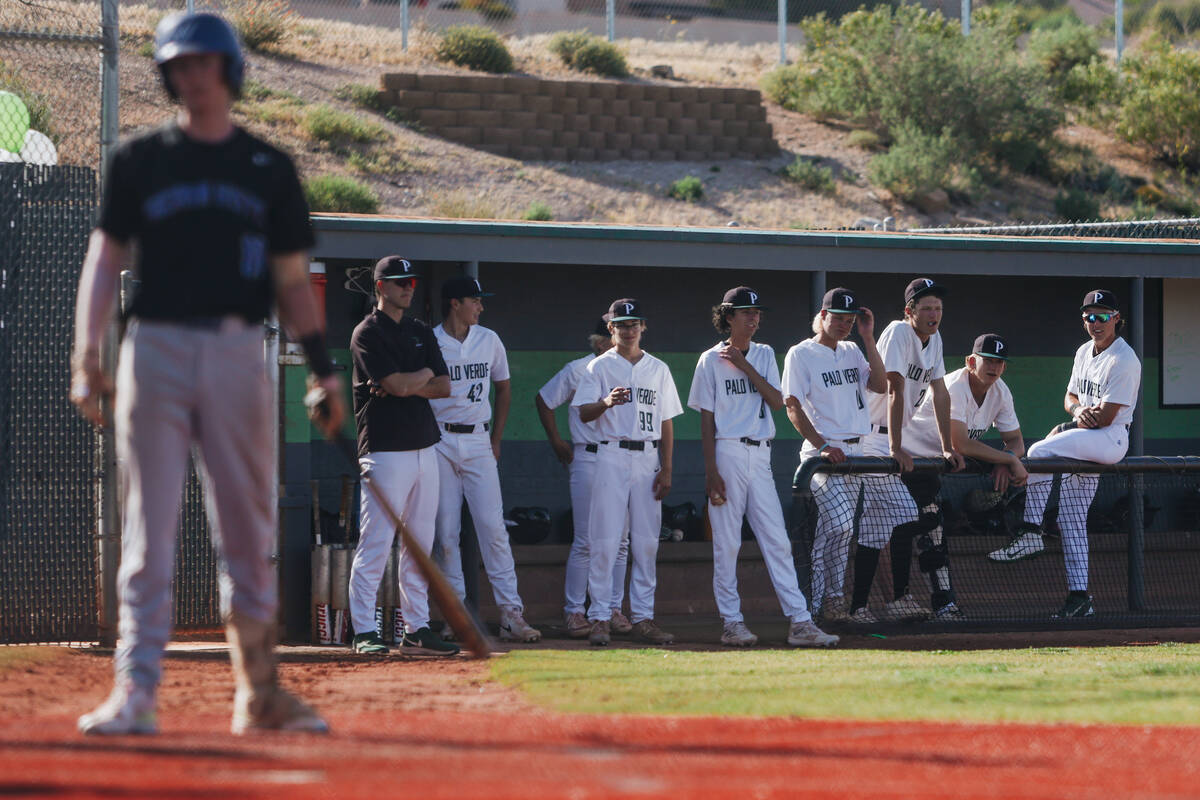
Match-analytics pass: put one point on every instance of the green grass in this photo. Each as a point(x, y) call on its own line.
point(326, 124)
point(1131, 685)
point(27, 656)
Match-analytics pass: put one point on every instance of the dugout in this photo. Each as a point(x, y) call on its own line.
point(553, 280)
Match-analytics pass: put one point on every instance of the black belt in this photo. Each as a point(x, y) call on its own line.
point(591, 448)
point(851, 441)
point(452, 428)
point(877, 429)
point(625, 444)
point(754, 442)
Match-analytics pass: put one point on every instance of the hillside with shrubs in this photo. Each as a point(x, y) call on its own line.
point(885, 112)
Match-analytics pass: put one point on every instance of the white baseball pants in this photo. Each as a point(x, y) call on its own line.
point(178, 386)
point(623, 489)
point(583, 470)
point(750, 492)
point(467, 467)
point(409, 481)
point(1102, 445)
point(836, 497)
point(886, 500)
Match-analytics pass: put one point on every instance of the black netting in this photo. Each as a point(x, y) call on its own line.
point(1182, 228)
point(1127, 535)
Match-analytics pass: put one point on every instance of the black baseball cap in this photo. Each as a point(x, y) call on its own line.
point(840, 301)
point(463, 287)
point(602, 325)
point(1100, 298)
point(742, 297)
point(991, 345)
point(625, 308)
point(394, 267)
point(921, 287)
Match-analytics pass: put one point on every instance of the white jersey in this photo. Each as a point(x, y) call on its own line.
point(1113, 376)
point(738, 409)
point(560, 389)
point(921, 437)
point(473, 364)
point(654, 396)
point(830, 385)
point(902, 352)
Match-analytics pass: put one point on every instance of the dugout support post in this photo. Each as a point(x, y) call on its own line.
point(1137, 448)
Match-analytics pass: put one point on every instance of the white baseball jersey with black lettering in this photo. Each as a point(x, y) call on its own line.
point(920, 364)
point(921, 437)
point(831, 386)
point(1112, 376)
point(654, 396)
point(474, 363)
point(561, 389)
point(720, 387)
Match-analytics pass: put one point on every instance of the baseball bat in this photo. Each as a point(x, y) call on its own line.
point(464, 625)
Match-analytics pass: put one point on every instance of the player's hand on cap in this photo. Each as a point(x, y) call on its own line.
point(866, 322)
point(834, 455)
point(662, 484)
point(957, 462)
point(326, 407)
point(89, 385)
point(714, 487)
point(903, 459)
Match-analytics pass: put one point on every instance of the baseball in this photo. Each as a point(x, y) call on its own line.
point(676, 535)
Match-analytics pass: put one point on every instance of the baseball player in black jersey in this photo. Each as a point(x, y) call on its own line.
point(398, 368)
point(221, 229)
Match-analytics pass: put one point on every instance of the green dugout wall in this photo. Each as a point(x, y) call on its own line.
point(552, 281)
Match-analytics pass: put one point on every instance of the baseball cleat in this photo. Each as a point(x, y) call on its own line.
point(514, 628)
point(833, 610)
point(1076, 608)
point(577, 625)
point(599, 635)
point(736, 634)
point(272, 709)
point(129, 709)
point(1027, 544)
point(369, 644)
point(424, 642)
point(904, 609)
point(807, 634)
point(648, 631)
point(863, 616)
point(949, 613)
point(619, 623)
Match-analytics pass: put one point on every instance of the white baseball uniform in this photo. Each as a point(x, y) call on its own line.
point(921, 437)
point(623, 486)
point(744, 430)
point(886, 501)
point(467, 465)
point(1111, 376)
point(830, 385)
point(558, 390)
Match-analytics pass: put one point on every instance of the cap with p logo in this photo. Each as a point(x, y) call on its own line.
point(742, 297)
point(840, 301)
point(921, 287)
point(394, 267)
point(1100, 298)
point(625, 308)
point(463, 287)
point(991, 345)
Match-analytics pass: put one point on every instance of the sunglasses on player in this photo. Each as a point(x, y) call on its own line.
point(403, 283)
point(1098, 317)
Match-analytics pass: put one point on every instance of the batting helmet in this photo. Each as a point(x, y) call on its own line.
point(528, 524)
point(185, 34)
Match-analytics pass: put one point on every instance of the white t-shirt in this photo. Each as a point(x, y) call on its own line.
point(921, 438)
point(737, 407)
point(655, 397)
point(1113, 376)
point(902, 352)
point(473, 364)
point(830, 385)
point(561, 388)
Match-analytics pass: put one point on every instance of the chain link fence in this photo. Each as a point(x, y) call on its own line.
point(1182, 228)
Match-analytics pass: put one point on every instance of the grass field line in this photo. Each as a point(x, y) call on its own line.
point(1118, 685)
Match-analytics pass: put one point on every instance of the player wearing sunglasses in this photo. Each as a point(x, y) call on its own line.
point(1100, 398)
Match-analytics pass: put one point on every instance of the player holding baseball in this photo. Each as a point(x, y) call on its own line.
point(1100, 397)
point(221, 229)
point(467, 454)
point(735, 388)
point(631, 397)
point(979, 399)
point(580, 460)
point(398, 369)
point(823, 388)
point(911, 349)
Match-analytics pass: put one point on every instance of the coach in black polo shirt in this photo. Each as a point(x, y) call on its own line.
point(398, 367)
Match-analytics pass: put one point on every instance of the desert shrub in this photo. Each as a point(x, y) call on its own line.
point(361, 95)
point(474, 47)
point(260, 23)
point(917, 163)
point(1159, 105)
point(335, 127)
point(567, 43)
point(864, 140)
point(1063, 17)
point(336, 193)
point(491, 10)
point(1076, 205)
point(538, 212)
point(1058, 51)
point(459, 205)
point(1164, 20)
point(810, 175)
point(601, 58)
point(1093, 87)
point(784, 85)
point(689, 189)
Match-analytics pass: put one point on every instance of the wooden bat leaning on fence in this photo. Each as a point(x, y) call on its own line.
point(440, 591)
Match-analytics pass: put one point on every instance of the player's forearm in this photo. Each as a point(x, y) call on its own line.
point(437, 388)
point(546, 417)
point(941, 410)
point(979, 451)
point(1107, 413)
point(1014, 442)
point(896, 420)
point(1071, 403)
point(772, 396)
point(297, 307)
point(708, 441)
point(97, 293)
point(591, 411)
point(666, 445)
point(404, 384)
point(877, 379)
point(803, 424)
point(500, 409)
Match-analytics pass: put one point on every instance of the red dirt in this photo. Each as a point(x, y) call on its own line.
point(441, 729)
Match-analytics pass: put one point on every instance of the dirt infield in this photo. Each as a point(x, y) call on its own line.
point(413, 728)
